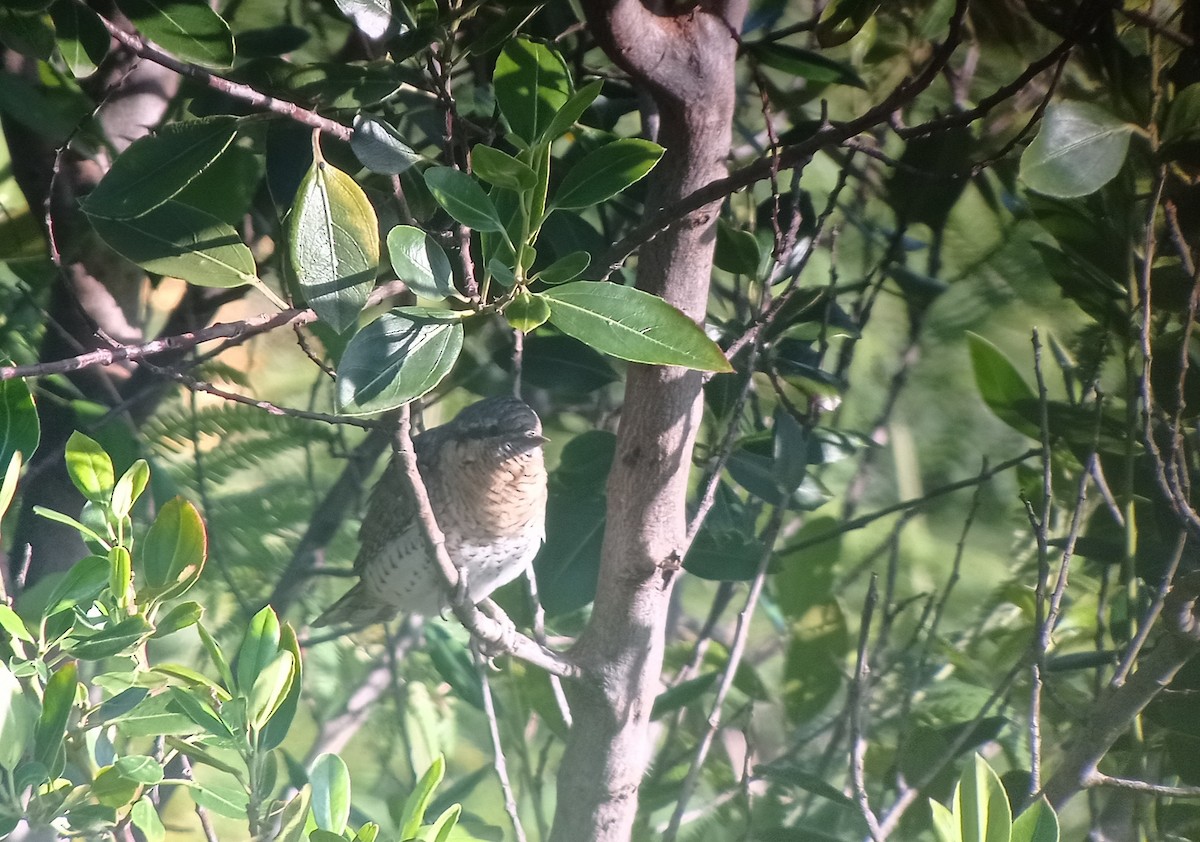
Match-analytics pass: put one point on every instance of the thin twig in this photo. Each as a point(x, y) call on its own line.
point(856, 704)
point(498, 762)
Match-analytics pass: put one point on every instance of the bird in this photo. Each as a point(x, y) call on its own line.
point(485, 474)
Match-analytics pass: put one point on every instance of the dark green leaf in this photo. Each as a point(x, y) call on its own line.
point(812, 667)
point(453, 663)
point(334, 244)
point(330, 780)
point(1000, 384)
point(81, 585)
point(463, 198)
point(566, 268)
point(1183, 120)
point(155, 168)
point(90, 468)
point(171, 555)
point(197, 709)
point(394, 360)
point(57, 701)
point(112, 640)
point(20, 431)
point(189, 29)
point(606, 172)
point(419, 261)
point(29, 34)
point(804, 63)
point(1079, 148)
point(632, 325)
point(281, 721)
point(843, 19)
point(785, 772)
point(501, 169)
point(379, 146)
point(682, 694)
point(736, 251)
point(183, 242)
point(572, 110)
point(532, 83)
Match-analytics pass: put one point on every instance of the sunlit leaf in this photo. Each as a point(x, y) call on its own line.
point(463, 198)
point(501, 169)
point(90, 468)
point(632, 325)
point(419, 261)
point(330, 780)
point(171, 555)
point(532, 83)
point(189, 29)
point(606, 172)
point(380, 147)
point(1078, 149)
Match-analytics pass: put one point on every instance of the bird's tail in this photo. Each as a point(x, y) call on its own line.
point(357, 606)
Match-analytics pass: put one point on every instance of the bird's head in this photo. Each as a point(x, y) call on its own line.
point(505, 426)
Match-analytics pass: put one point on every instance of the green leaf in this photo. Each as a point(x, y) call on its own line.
point(217, 657)
point(112, 640)
point(1037, 824)
point(270, 688)
point(566, 268)
point(373, 18)
point(82, 39)
point(572, 110)
point(82, 584)
point(812, 668)
point(112, 789)
point(394, 360)
point(227, 801)
point(1079, 148)
point(130, 487)
point(197, 709)
point(527, 312)
point(277, 728)
point(58, 517)
point(259, 648)
point(12, 623)
point(90, 468)
point(20, 431)
point(145, 818)
point(157, 167)
point(171, 555)
point(181, 241)
point(441, 827)
point(419, 261)
point(1000, 384)
point(945, 828)
point(804, 63)
point(140, 769)
point(736, 251)
point(295, 816)
point(532, 83)
point(981, 804)
point(606, 172)
point(120, 573)
point(419, 799)
point(57, 700)
point(380, 148)
point(188, 29)
point(18, 718)
point(182, 616)
point(1183, 119)
point(330, 781)
point(8, 486)
point(334, 244)
point(463, 198)
point(632, 325)
point(501, 169)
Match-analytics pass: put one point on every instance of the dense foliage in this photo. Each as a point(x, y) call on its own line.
point(942, 555)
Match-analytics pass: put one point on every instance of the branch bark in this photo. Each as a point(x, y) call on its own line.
point(685, 60)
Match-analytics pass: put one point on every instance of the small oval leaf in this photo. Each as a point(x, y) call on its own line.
point(394, 360)
point(171, 555)
point(1079, 148)
point(90, 468)
point(463, 198)
point(527, 312)
point(419, 261)
point(532, 83)
point(379, 146)
point(330, 781)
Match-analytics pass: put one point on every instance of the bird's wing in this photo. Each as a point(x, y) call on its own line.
point(391, 509)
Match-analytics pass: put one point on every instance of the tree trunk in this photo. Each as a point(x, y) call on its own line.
point(685, 60)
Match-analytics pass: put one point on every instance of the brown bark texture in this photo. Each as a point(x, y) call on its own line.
point(683, 56)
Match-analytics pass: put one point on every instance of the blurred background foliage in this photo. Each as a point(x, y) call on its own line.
point(911, 265)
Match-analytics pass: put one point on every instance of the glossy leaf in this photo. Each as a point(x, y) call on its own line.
point(82, 39)
point(526, 311)
point(441, 827)
point(182, 616)
point(981, 804)
point(171, 555)
point(379, 146)
point(270, 688)
point(1183, 120)
point(157, 167)
point(334, 244)
point(632, 325)
point(606, 172)
point(181, 241)
point(145, 818)
point(188, 29)
point(111, 640)
point(463, 198)
point(259, 648)
point(20, 430)
point(277, 728)
point(82, 584)
point(736, 251)
point(1078, 149)
point(295, 816)
point(394, 360)
point(120, 573)
point(8, 485)
point(130, 487)
point(566, 268)
point(197, 709)
point(227, 801)
point(57, 700)
point(532, 83)
point(419, 261)
point(372, 18)
point(90, 468)
point(501, 169)
point(572, 110)
point(330, 780)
